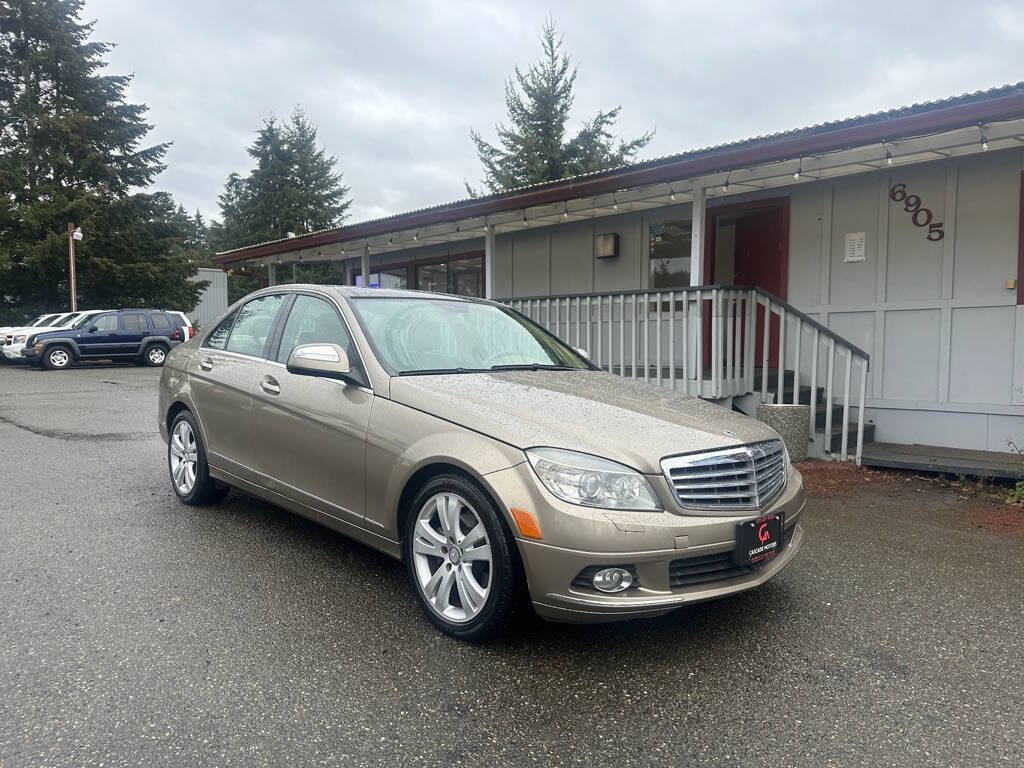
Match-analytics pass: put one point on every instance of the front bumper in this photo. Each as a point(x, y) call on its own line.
point(13, 352)
point(577, 537)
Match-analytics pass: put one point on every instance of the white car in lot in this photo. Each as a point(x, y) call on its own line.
point(39, 322)
point(13, 341)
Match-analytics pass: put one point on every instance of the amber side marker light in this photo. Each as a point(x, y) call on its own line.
point(527, 523)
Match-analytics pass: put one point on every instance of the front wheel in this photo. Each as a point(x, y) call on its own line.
point(57, 358)
point(186, 461)
point(461, 559)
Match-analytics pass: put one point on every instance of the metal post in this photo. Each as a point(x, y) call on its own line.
point(271, 274)
point(71, 267)
point(697, 238)
point(860, 407)
point(814, 383)
point(489, 262)
point(828, 394)
point(364, 266)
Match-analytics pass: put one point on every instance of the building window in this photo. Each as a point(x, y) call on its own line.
point(391, 277)
point(462, 277)
point(670, 254)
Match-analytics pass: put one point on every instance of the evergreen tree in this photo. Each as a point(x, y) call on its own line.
point(71, 150)
point(294, 188)
point(533, 146)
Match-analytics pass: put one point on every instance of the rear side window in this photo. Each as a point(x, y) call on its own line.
point(252, 326)
point(218, 338)
point(160, 322)
point(135, 321)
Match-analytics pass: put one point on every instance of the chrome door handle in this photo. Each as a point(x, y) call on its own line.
point(206, 364)
point(270, 386)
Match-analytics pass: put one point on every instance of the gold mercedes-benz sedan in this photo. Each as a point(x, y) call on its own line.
point(498, 463)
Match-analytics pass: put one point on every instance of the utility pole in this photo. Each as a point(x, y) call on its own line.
point(74, 233)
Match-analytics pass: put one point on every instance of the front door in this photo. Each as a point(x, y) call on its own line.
point(748, 246)
point(309, 431)
point(134, 328)
point(101, 337)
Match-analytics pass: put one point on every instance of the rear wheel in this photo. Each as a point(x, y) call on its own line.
point(461, 559)
point(57, 357)
point(186, 462)
point(154, 355)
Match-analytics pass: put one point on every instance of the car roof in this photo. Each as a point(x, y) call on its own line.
point(356, 292)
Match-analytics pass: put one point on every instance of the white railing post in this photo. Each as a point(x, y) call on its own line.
point(846, 403)
point(765, 343)
point(622, 335)
point(860, 407)
point(796, 361)
point(657, 337)
point(828, 394)
point(814, 383)
point(699, 344)
point(672, 340)
point(782, 355)
point(749, 334)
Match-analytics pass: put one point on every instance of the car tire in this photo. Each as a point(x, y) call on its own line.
point(154, 355)
point(505, 580)
point(57, 357)
point(192, 482)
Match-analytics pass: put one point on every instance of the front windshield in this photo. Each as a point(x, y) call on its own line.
point(48, 320)
point(63, 319)
point(435, 335)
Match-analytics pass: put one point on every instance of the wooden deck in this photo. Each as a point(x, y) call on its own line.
point(934, 458)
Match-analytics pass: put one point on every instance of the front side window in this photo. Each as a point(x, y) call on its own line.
point(670, 254)
point(312, 321)
point(417, 335)
point(105, 323)
point(135, 321)
point(252, 325)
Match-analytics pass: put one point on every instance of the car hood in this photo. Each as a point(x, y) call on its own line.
point(631, 422)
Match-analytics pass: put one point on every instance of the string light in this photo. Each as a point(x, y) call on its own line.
point(888, 154)
point(565, 212)
point(525, 222)
point(984, 139)
point(416, 235)
point(615, 202)
point(725, 187)
point(799, 168)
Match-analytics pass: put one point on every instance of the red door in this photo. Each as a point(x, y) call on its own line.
point(760, 258)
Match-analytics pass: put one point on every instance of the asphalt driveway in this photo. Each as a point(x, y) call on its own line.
point(137, 631)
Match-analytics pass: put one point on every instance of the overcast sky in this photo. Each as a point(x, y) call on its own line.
point(395, 87)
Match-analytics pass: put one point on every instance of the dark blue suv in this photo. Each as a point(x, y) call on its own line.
point(142, 335)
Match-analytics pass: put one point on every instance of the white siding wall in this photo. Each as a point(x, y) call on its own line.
point(943, 331)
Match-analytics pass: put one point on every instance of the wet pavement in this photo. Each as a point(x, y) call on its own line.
point(137, 631)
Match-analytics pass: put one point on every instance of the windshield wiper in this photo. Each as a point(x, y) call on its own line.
point(440, 371)
point(532, 367)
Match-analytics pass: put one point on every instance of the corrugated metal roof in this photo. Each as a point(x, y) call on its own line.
point(874, 118)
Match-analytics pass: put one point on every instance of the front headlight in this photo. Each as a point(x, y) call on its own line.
point(580, 478)
point(19, 339)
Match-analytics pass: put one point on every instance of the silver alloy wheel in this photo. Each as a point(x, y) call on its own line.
point(156, 355)
point(452, 557)
point(183, 457)
point(59, 358)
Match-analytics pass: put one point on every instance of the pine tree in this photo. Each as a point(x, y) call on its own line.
point(71, 150)
point(294, 188)
point(533, 146)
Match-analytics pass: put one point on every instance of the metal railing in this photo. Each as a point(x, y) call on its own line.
point(712, 341)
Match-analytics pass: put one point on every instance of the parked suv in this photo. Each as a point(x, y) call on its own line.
point(142, 335)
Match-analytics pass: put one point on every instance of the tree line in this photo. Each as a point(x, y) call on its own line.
point(73, 150)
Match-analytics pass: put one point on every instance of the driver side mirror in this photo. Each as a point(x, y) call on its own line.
point(581, 352)
point(93, 329)
point(326, 360)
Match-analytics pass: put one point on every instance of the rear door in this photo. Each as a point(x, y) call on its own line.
point(134, 328)
point(309, 432)
point(221, 377)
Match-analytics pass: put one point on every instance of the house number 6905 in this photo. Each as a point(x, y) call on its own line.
point(921, 217)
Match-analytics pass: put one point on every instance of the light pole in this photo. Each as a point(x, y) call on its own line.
point(74, 233)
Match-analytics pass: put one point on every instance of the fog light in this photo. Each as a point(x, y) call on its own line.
point(613, 580)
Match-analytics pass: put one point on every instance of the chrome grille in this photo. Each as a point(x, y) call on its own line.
point(745, 477)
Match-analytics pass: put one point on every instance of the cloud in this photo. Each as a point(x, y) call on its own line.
point(395, 87)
